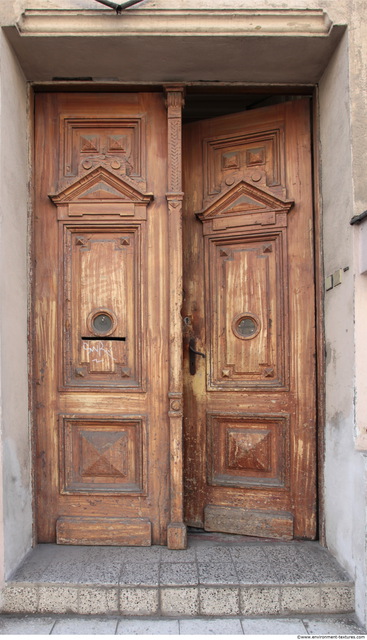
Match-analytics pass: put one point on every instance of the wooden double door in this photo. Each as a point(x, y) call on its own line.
point(174, 338)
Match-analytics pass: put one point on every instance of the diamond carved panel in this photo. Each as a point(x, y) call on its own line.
point(255, 156)
point(88, 143)
point(102, 455)
point(247, 450)
point(117, 143)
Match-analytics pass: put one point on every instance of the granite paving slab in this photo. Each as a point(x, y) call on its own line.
point(217, 573)
point(148, 627)
point(139, 574)
point(214, 626)
point(26, 625)
point(272, 627)
point(101, 573)
point(332, 626)
point(247, 553)
point(179, 573)
point(210, 553)
point(85, 626)
point(180, 555)
point(256, 573)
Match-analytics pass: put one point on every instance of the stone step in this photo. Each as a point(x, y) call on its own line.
point(211, 578)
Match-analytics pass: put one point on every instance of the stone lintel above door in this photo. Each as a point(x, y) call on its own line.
point(213, 43)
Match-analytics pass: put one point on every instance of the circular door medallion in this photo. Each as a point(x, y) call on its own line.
point(102, 322)
point(246, 326)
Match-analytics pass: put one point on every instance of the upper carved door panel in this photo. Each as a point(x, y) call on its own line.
point(254, 155)
point(118, 144)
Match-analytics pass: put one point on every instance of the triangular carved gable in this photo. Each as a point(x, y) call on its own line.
point(244, 198)
point(101, 191)
point(100, 185)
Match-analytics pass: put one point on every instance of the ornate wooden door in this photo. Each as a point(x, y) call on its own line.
point(103, 418)
point(249, 410)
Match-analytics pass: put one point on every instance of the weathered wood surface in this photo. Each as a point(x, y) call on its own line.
point(101, 306)
point(109, 395)
point(261, 524)
point(177, 536)
point(250, 420)
point(126, 532)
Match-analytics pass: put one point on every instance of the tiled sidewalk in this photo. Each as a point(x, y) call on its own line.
point(77, 625)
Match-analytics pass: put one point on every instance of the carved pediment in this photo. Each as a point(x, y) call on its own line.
point(100, 192)
point(245, 199)
point(101, 184)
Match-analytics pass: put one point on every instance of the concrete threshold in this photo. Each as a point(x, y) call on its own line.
point(218, 575)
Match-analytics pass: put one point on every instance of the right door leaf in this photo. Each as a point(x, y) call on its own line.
point(249, 293)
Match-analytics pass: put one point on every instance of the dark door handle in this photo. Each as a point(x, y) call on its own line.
point(194, 353)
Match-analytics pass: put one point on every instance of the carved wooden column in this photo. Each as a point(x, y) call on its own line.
point(176, 532)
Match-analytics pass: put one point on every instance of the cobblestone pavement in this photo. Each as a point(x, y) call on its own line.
point(114, 625)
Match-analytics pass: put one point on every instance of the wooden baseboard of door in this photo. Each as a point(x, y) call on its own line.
point(249, 522)
point(136, 532)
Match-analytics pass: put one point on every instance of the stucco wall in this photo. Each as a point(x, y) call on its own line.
point(344, 467)
point(15, 443)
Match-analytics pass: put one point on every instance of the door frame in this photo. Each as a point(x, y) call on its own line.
point(174, 413)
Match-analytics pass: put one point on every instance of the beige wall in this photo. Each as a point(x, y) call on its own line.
point(344, 467)
point(343, 152)
point(16, 507)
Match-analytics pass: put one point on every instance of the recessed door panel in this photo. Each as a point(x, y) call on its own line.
point(246, 323)
point(104, 307)
point(103, 454)
point(247, 450)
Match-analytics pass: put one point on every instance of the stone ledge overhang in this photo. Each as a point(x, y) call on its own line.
point(169, 45)
point(170, 22)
